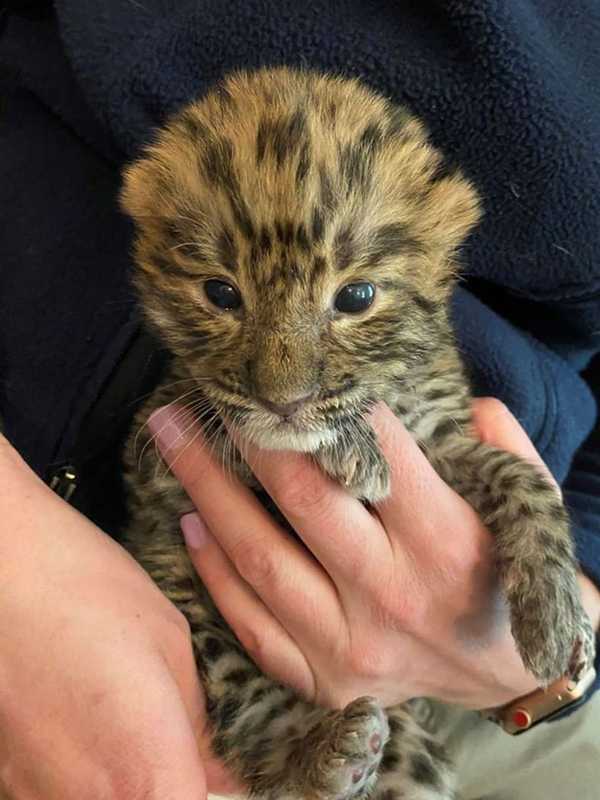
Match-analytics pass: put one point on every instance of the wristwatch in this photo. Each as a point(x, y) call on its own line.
point(541, 705)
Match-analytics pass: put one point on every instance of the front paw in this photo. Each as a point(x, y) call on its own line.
point(552, 631)
point(358, 465)
point(348, 747)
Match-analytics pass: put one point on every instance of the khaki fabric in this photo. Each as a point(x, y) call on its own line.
point(557, 760)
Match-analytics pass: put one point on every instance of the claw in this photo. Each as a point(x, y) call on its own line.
point(351, 472)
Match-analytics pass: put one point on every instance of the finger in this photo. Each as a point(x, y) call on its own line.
point(341, 533)
point(261, 634)
point(414, 484)
point(496, 426)
point(281, 572)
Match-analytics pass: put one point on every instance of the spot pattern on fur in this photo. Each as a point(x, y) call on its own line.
point(287, 186)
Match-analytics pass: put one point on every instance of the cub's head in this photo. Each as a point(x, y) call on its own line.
point(295, 236)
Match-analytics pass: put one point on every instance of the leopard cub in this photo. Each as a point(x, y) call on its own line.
point(295, 251)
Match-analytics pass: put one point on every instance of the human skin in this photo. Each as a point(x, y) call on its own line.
point(99, 695)
point(397, 602)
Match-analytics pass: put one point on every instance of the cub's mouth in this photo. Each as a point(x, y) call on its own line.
point(289, 436)
point(303, 425)
point(304, 429)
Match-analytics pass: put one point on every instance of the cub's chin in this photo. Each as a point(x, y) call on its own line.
point(288, 436)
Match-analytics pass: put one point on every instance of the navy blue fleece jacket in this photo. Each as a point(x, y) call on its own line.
point(511, 91)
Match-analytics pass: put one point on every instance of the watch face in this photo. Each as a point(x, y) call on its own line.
point(573, 704)
point(544, 705)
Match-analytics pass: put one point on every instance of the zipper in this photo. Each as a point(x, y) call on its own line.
point(63, 481)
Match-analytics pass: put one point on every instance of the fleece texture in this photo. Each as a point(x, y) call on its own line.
point(510, 92)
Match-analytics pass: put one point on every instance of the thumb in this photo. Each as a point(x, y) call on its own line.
point(496, 426)
point(177, 770)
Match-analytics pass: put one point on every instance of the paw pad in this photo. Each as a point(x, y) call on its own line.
point(359, 735)
point(357, 775)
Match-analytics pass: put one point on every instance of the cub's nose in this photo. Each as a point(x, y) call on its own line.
point(287, 410)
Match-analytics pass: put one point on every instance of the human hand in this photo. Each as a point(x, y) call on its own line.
point(99, 696)
point(398, 603)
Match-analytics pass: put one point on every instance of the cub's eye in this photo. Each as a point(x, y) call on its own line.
point(354, 297)
point(222, 295)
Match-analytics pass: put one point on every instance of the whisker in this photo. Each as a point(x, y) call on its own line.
point(193, 421)
point(168, 405)
point(186, 244)
point(179, 413)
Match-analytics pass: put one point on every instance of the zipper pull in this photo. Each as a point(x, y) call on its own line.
point(64, 481)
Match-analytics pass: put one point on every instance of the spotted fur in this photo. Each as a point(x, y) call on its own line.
point(288, 186)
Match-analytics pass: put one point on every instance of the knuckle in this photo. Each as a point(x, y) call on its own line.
point(303, 492)
point(254, 561)
point(361, 570)
point(179, 628)
point(190, 472)
point(367, 663)
point(399, 608)
point(176, 639)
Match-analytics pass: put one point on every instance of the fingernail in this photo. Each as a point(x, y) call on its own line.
point(168, 427)
point(194, 531)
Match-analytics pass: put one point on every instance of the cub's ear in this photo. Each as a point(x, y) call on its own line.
point(162, 180)
point(439, 204)
point(138, 191)
point(151, 183)
point(451, 211)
